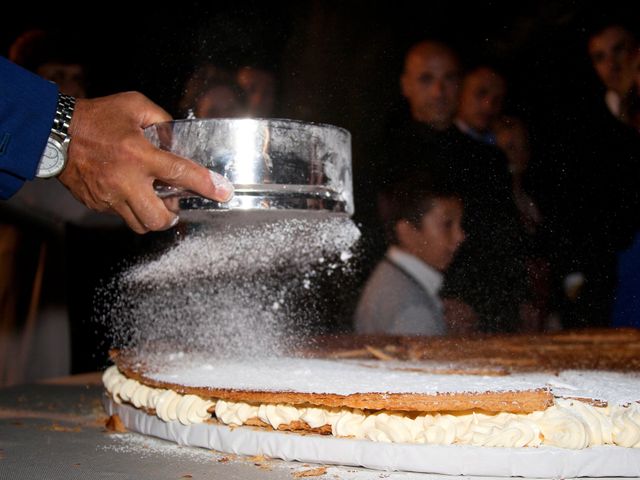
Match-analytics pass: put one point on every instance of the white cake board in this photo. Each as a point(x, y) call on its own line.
point(541, 462)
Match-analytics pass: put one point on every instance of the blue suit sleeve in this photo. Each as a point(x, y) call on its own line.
point(27, 108)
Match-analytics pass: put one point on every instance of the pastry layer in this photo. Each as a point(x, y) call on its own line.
point(338, 383)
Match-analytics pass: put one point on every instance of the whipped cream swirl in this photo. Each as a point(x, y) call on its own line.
point(168, 405)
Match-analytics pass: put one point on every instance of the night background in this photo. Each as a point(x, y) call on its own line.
point(336, 62)
point(340, 63)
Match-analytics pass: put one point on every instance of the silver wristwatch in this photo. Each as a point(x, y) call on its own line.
point(54, 157)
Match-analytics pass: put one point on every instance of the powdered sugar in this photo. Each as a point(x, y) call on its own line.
point(144, 447)
point(346, 377)
point(326, 376)
point(613, 387)
point(237, 285)
point(243, 244)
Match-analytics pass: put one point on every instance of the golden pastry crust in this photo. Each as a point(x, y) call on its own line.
point(114, 424)
point(524, 401)
point(497, 355)
point(587, 349)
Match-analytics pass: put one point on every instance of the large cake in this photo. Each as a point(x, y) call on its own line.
point(573, 391)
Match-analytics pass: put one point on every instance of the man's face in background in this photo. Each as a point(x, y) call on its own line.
point(431, 85)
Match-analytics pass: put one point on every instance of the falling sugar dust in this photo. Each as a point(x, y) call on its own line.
point(241, 285)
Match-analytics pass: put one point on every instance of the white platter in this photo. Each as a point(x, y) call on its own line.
point(542, 462)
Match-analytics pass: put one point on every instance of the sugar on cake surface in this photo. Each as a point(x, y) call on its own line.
point(387, 403)
point(343, 377)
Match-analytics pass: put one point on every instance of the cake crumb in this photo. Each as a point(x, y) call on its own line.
point(313, 472)
point(379, 354)
point(56, 427)
point(114, 424)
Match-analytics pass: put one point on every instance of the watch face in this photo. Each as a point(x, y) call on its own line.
point(52, 160)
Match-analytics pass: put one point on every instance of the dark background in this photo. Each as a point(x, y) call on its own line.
point(336, 62)
point(339, 62)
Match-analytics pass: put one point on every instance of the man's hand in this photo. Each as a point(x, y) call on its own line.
point(112, 166)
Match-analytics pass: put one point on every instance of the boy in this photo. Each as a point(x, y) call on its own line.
point(423, 220)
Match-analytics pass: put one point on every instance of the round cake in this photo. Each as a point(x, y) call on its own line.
point(415, 402)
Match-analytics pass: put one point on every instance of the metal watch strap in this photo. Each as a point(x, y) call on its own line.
point(64, 111)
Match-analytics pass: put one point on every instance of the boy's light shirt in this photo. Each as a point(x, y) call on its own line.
point(428, 277)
